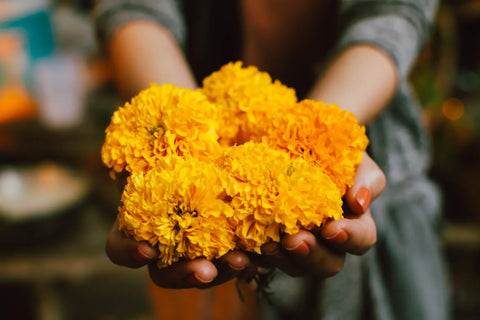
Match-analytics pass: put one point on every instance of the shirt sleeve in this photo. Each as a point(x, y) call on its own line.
point(399, 28)
point(110, 15)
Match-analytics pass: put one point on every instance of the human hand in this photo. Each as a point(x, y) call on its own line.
point(322, 252)
point(197, 273)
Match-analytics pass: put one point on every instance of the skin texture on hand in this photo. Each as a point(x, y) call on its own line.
point(199, 273)
point(322, 252)
point(319, 252)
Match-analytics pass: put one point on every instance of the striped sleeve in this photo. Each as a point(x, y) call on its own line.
point(109, 15)
point(399, 28)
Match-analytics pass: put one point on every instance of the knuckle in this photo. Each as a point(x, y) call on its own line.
point(373, 240)
point(332, 269)
point(112, 254)
point(382, 179)
point(338, 267)
point(378, 182)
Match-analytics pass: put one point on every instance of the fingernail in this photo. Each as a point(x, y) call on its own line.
point(340, 237)
point(142, 254)
point(236, 267)
point(195, 279)
point(271, 248)
point(302, 249)
point(363, 198)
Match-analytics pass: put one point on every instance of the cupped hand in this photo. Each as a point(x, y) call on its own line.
point(322, 252)
point(197, 273)
point(319, 252)
point(356, 232)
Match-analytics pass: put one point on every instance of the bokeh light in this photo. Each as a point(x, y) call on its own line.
point(453, 109)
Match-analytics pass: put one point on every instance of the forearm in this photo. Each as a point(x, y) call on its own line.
point(142, 52)
point(362, 79)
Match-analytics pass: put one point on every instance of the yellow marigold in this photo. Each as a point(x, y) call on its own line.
point(178, 207)
point(324, 134)
point(271, 193)
point(244, 97)
point(161, 120)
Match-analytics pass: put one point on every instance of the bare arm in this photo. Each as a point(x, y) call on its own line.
point(362, 79)
point(142, 52)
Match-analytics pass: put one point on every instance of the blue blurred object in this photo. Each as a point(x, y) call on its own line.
point(35, 26)
point(31, 22)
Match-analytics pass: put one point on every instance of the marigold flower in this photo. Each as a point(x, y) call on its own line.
point(325, 134)
point(244, 97)
point(160, 121)
point(178, 207)
point(273, 194)
point(235, 164)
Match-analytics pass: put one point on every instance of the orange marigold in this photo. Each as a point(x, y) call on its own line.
point(324, 134)
point(177, 207)
point(160, 121)
point(244, 97)
point(273, 194)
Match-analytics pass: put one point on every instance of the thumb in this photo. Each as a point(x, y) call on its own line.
point(369, 183)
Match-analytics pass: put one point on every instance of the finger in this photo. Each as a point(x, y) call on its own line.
point(185, 274)
point(201, 273)
point(355, 236)
point(234, 264)
point(128, 252)
point(369, 183)
point(308, 256)
point(121, 179)
point(272, 255)
point(235, 260)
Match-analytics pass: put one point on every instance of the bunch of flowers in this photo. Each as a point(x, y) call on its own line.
point(245, 99)
point(160, 121)
point(234, 164)
point(178, 207)
point(323, 134)
point(272, 193)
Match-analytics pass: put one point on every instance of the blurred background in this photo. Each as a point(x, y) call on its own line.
point(57, 201)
